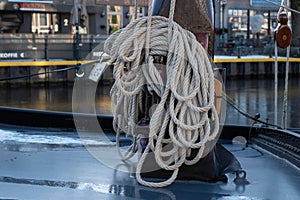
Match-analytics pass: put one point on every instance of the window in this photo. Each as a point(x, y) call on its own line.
point(114, 16)
point(237, 23)
point(140, 12)
point(44, 23)
point(43, 19)
point(269, 22)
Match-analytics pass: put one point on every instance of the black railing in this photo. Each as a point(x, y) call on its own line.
point(68, 47)
point(47, 47)
point(246, 47)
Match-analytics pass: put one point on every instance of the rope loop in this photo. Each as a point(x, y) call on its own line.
point(184, 118)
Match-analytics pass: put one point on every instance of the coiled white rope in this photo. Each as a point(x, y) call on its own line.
point(181, 119)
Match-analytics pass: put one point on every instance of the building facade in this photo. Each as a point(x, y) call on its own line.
point(233, 18)
point(57, 16)
point(239, 21)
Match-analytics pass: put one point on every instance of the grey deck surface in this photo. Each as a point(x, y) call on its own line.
point(43, 171)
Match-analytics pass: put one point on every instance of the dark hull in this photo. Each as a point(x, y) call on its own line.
point(284, 143)
point(48, 119)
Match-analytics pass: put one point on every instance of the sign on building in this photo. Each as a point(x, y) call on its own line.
point(31, 1)
point(12, 55)
point(265, 4)
point(142, 3)
point(32, 7)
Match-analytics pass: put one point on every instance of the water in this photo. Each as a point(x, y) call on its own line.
point(257, 96)
point(250, 95)
point(44, 160)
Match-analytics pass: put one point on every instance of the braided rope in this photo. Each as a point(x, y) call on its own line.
point(181, 119)
point(281, 9)
point(135, 9)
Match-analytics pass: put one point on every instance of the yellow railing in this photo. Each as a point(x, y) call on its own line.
point(45, 63)
point(253, 59)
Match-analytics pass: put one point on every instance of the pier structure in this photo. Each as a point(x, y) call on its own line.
point(59, 70)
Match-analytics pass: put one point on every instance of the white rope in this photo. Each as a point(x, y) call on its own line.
point(135, 9)
point(181, 119)
point(285, 97)
point(276, 84)
point(285, 93)
point(283, 6)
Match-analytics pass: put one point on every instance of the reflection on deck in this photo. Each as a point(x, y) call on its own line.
point(73, 172)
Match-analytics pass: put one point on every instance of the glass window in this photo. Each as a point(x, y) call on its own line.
point(237, 23)
point(267, 26)
point(140, 12)
point(44, 23)
point(43, 19)
point(114, 16)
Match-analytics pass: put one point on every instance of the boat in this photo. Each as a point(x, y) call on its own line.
point(260, 161)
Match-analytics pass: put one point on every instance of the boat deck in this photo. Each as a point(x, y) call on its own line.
point(65, 168)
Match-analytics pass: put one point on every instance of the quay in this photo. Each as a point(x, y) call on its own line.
point(217, 60)
point(25, 55)
point(235, 67)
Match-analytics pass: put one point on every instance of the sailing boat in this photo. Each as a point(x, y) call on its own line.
point(267, 176)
